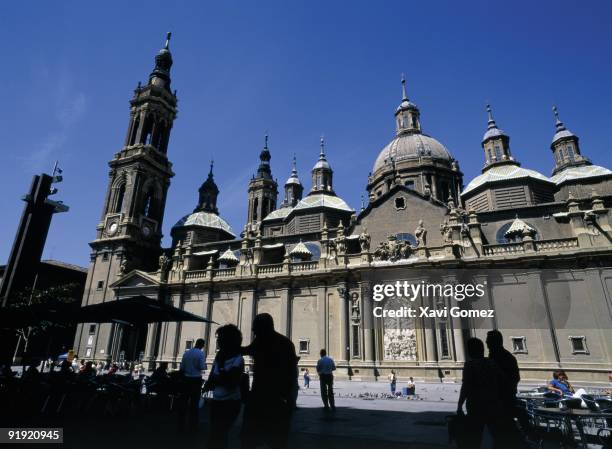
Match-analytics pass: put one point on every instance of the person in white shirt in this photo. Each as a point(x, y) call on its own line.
point(225, 381)
point(192, 366)
point(325, 369)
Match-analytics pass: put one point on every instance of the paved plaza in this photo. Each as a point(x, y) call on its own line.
point(364, 419)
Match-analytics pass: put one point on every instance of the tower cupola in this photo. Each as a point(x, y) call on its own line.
point(208, 194)
point(322, 173)
point(496, 143)
point(407, 115)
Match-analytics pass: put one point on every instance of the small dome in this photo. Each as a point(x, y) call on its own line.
point(300, 250)
point(204, 220)
point(562, 134)
point(503, 173)
point(406, 104)
point(411, 146)
point(278, 213)
point(228, 257)
point(493, 132)
point(580, 172)
point(323, 200)
point(322, 163)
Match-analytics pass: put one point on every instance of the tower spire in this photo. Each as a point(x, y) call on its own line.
point(491, 121)
point(160, 76)
point(558, 123)
point(404, 95)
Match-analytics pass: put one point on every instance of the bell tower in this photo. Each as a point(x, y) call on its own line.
point(128, 235)
point(263, 191)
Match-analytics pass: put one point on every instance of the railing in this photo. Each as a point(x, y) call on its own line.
point(556, 244)
point(298, 267)
point(503, 248)
point(224, 272)
point(196, 274)
point(270, 269)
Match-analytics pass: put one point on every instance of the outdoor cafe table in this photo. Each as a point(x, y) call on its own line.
point(572, 415)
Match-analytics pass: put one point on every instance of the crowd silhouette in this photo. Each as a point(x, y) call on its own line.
point(487, 400)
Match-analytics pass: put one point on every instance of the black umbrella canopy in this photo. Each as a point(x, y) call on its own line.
point(135, 310)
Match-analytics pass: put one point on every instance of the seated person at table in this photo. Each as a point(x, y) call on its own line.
point(561, 385)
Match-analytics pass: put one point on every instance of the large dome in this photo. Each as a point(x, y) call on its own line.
point(411, 146)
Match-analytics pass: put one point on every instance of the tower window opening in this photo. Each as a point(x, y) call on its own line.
point(561, 155)
point(255, 206)
point(120, 196)
point(409, 184)
point(490, 154)
point(570, 152)
point(147, 209)
point(135, 126)
point(498, 153)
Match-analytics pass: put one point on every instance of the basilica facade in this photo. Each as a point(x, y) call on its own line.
point(539, 246)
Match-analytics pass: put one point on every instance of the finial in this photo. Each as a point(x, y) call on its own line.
point(294, 164)
point(168, 36)
point(322, 154)
point(362, 204)
point(404, 95)
point(489, 112)
point(266, 140)
point(558, 122)
point(212, 164)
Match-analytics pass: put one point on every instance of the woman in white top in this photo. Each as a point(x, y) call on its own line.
point(224, 381)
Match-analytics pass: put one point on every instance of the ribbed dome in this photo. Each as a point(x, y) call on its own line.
point(411, 146)
point(205, 220)
point(503, 173)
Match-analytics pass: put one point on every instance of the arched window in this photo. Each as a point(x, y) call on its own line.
point(490, 154)
point(570, 152)
point(120, 197)
point(498, 153)
point(135, 126)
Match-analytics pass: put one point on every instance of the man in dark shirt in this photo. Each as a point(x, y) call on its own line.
point(271, 401)
point(508, 433)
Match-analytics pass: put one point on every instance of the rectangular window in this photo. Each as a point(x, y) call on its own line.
point(355, 341)
point(578, 344)
point(90, 340)
point(92, 329)
point(519, 345)
point(409, 184)
point(444, 350)
point(304, 346)
point(104, 257)
point(188, 345)
point(88, 352)
point(100, 285)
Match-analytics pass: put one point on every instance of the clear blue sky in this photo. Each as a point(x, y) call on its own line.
point(297, 69)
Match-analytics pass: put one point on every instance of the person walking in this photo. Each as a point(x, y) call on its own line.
point(392, 382)
point(481, 393)
point(192, 365)
point(271, 401)
point(325, 369)
point(224, 382)
point(306, 378)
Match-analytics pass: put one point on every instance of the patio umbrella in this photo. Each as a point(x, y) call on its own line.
point(135, 310)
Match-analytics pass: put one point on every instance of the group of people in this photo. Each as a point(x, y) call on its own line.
point(488, 391)
point(268, 402)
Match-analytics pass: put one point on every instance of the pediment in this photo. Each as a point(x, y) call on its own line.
point(136, 278)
